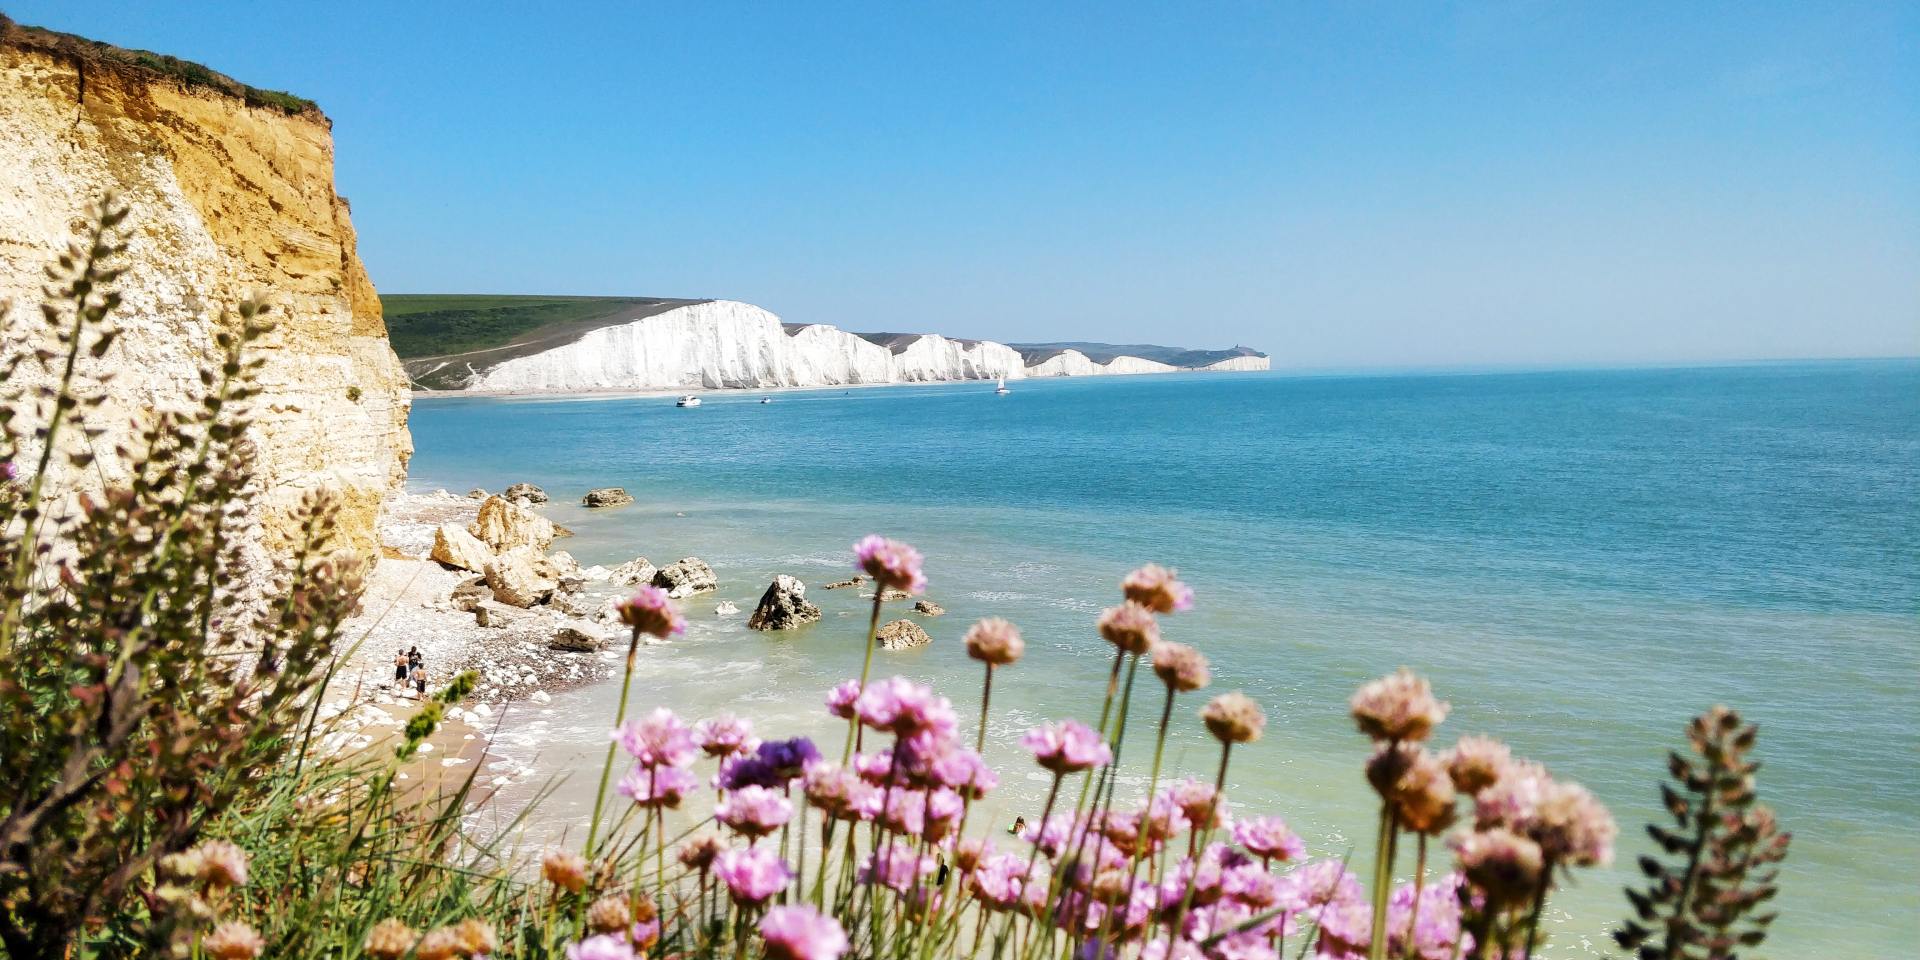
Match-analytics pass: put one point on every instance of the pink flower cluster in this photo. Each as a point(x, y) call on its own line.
point(890, 563)
point(1067, 747)
point(662, 748)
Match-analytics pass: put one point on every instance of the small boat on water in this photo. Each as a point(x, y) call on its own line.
point(1002, 387)
point(766, 399)
point(687, 401)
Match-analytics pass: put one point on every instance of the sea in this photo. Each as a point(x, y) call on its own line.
point(1580, 560)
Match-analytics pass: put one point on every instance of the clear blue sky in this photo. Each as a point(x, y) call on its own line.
point(1346, 184)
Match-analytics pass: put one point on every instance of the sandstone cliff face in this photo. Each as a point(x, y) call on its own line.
point(227, 199)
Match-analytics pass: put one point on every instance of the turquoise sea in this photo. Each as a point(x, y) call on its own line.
point(1581, 560)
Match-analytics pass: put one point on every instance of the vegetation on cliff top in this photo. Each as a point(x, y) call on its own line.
point(147, 62)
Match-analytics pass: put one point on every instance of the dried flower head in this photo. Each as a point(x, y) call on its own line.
point(649, 611)
point(969, 853)
point(222, 864)
point(1501, 864)
point(232, 940)
point(564, 869)
point(1475, 763)
point(1156, 588)
point(890, 563)
point(1572, 826)
point(1414, 785)
point(698, 853)
point(390, 939)
point(477, 937)
point(1180, 667)
point(1234, 718)
point(610, 914)
point(1130, 627)
point(995, 642)
point(1397, 707)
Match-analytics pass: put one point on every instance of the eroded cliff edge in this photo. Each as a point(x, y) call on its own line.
point(230, 195)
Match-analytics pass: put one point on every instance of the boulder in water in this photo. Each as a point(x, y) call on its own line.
point(928, 607)
point(840, 584)
point(606, 497)
point(477, 493)
point(525, 491)
point(634, 572)
point(783, 607)
point(685, 577)
point(902, 635)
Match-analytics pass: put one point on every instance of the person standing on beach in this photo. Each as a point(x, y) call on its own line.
point(401, 663)
point(419, 680)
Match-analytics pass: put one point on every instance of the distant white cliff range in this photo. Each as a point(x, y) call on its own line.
point(718, 344)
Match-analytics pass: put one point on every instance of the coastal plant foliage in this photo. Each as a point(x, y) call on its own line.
point(163, 794)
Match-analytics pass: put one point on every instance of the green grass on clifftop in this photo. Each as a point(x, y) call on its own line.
point(431, 324)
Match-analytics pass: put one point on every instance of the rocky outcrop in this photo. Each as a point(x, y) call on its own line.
point(634, 572)
point(517, 579)
point(902, 635)
point(577, 637)
point(686, 577)
point(525, 491)
point(843, 584)
point(504, 526)
point(929, 608)
point(456, 547)
point(606, 497)
point(229, 195)
point(1073, 363)
point(783, 607)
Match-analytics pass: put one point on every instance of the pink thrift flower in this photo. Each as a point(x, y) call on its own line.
point(650, 612)
point(754, 811)
point(1155, 587)
point(799, 932)
point(656, 786)
point(605, 946)
point(835, 790)
point(726, 735)
point(659, 739)
point(1269, 837)
point(890, 563)
point(840, 699)
point(1066, 747)
point(906, 708)
point(896, 867)
point(752, 875)
point(997, 882)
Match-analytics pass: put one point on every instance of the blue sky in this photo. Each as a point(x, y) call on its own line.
point(1351, 184)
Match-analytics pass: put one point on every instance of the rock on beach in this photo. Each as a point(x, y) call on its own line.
point(902, 635)
point(685, 577)
point(783, 607)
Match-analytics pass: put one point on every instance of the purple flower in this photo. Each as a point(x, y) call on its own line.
point(650, 612)
point(605, 946)
point(9, 471)
point(890, 563)
point(1066, 747)
point(1269, 837)
point(659, 739)
point(895, 866)
point(997, 882)
point(905, 708)
point(752, 875)
point(789, 758)
point(799, 932)
point(1438, 926)
point(754, 811)
point(656, 786)
point(725, 735)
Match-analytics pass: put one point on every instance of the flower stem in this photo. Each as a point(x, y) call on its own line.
point(1413, 914)
point(866, 667)
point(986, 697)
point(1382, 879)
point(1213, 813)
point(619, 717)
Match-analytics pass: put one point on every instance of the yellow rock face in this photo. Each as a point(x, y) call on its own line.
point(226, 200)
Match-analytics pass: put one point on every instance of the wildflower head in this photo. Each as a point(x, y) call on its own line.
point(390, 939)
point(1180, 667)
point(890, 564)
point(1572, 826)
point(1415, 785)
point(440, 943)
point(799, 932)
point(1475, 763)
point(1130, 627)
point(564, 869)
point(836, 790)
point(969, 853)
point(649, 611)
point(609, 914)
point(233, 940)
point(725, 735)
point(840, 699)
point(789, 758)
point(1156, 588)
point(656, 786)
point(477, 937)
point(896, 866)
point(1500, 863)
point(602, 946)
point(1269, 837)
point(754, 811)
point(222, 864)
point(1234, 718)
point(658, 740)
point(995, 642)
point(1398, 707)
point(1066, 747)
point(698, 853)
point(752, 875)
point(903, 707)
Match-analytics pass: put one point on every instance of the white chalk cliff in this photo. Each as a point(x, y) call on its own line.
point(728, 344)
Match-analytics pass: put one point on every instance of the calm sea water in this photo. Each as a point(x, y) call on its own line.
point(1580, 561)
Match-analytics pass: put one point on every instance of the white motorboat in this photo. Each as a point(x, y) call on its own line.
point(687, 401)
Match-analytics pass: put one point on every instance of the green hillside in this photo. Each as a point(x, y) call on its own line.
point(432, 324)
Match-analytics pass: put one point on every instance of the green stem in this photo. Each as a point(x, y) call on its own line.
point(1539, 907)
point(986, 697)
point(619, 717)
point(1382, 880)
point(1413, 915)
point(1213, 811)
point(866, 668)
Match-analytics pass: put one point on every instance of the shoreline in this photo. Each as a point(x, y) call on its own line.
point(623, 393)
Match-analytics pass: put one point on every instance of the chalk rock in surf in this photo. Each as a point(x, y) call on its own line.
point(783, 607)
point(685, 577)
point(606, 497)
point(903, 635)
point(525, 491)
point(634, 572)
